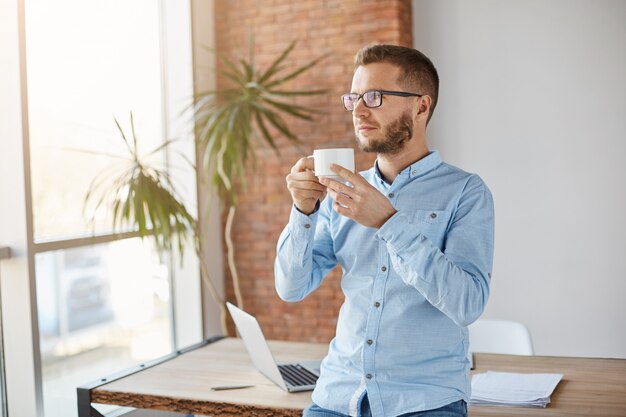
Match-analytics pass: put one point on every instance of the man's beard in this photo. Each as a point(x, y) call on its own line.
point(396, 135)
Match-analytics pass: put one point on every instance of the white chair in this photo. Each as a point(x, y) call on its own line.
point(500, 336)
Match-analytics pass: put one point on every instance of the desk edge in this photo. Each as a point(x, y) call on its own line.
point(83, 392)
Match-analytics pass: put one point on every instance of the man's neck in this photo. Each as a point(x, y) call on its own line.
point(391, 165)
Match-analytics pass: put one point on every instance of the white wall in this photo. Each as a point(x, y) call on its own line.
point(533, 98)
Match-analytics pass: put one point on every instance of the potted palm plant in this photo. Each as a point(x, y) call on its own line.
point(228, 122)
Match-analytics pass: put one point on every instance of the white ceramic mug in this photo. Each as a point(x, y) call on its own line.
point(323, 158)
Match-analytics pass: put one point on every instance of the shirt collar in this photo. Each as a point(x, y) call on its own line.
point(417, 169)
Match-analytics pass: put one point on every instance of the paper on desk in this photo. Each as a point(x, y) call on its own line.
point(506, 388)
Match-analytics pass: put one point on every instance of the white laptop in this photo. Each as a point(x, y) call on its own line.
point(295, 377)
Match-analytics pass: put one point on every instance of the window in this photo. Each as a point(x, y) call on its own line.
point(100, 308)
point(87, 62)
point(104, 303)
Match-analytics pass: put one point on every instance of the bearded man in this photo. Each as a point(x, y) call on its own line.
point(414, 238)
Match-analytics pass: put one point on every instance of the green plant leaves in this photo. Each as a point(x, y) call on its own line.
point(142, 197)
point(254, 103)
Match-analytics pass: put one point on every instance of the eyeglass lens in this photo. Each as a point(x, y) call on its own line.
point(372, 98)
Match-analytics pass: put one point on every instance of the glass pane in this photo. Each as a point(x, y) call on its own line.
point(101, 309)
point(87, 62)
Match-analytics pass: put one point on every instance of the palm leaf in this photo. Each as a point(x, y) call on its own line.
point(132, 129)
point(294, 110)
point(295, 73)
point(266, 134)
point(123, 136)
point(248, 69)
point(275, 67)
point(275, 120)
point(297, 92)
point(161, 147)
point(234, 71)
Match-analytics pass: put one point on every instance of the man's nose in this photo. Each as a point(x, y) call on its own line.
point(360, 109)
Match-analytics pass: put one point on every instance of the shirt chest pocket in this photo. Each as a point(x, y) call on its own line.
point(432, 224)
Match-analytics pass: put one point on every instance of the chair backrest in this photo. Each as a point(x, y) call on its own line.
point(500, 336)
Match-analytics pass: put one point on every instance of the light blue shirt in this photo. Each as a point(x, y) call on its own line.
point(411, 288)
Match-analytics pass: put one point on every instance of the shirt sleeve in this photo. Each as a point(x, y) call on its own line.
point(304, 254)
point(454, 279)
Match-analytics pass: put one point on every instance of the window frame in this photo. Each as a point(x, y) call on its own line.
point(191, 318)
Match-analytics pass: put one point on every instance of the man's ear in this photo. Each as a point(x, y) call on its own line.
point(423, 108)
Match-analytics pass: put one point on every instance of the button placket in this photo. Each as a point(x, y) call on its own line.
point(374, 316)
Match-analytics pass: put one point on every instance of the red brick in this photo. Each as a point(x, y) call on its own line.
point(340, 27)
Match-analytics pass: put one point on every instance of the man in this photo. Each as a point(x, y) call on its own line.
point(414, 238)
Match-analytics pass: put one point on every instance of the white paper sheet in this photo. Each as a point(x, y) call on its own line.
point(514, 389)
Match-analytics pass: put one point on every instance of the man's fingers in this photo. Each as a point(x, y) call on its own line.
point(305, 178)
point(302, 176)
point(303, 165)
point(341, 203)
point(346, 174)
point(340, 198)
point(337, 186)
point(303, 194)
point(304, 185)
point(344, 211)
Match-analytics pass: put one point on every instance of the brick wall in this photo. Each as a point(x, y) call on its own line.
point(336, 27)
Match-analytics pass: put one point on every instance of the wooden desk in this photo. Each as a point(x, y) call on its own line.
point(590, 387)
point(183, 383)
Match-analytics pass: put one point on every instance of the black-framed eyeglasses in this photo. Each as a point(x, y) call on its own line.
point(371, 98)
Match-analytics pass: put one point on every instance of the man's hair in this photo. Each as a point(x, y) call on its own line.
point(418, 71)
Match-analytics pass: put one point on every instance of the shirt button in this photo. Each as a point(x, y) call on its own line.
point(413, 172)
point(376, 304)
point(307, 226)
point(370, 341)
point(390, 195)
point(433, 215)
point(369, 376)
point(384, 268)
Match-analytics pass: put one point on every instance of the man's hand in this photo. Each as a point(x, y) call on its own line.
point(304, 187)
point(360, 202)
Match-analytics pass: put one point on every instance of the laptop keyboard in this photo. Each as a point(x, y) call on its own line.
point(297, 376)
